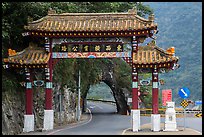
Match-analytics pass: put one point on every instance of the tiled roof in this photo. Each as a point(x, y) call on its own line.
point(153, 55)
point(29, 56)
point(88, 22)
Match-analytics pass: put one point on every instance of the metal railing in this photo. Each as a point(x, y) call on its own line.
point(101, 100)
point(148, 111)
point(179, 111)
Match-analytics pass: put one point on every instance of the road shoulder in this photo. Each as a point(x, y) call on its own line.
point(85, 118)
point(146, 130)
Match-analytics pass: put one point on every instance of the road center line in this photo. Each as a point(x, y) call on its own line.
point(98, 106)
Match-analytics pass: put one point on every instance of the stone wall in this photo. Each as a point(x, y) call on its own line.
point(12, 112)
point(13, 109)
point(65, 112)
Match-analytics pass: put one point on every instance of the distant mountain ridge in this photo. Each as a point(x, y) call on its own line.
point(180, 25)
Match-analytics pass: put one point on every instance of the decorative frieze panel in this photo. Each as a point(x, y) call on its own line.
point(91, 48)
point(90, 54)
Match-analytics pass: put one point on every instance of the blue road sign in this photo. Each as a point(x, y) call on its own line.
point(184, 92)
point(198, 103)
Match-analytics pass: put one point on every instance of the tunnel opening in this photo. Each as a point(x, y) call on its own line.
point(100, 99)
point(100, 91)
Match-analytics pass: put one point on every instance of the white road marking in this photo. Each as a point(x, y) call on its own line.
point(92, 107)
point(123, 133)
point(95, 105)
point(73, 126)
point(98, 106)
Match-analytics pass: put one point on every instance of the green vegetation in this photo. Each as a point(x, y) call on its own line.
point(100, 91)
point(123, 71)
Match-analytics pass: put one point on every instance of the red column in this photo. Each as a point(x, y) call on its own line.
point(29, 93)
point(48, 73)
point(134, 88)
point(155, 91)
point(48, 98)
point(134, 76)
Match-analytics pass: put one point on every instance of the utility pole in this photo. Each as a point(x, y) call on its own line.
point(79, 97)
point(60, 107)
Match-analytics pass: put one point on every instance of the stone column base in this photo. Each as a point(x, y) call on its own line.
point(48, 123)
point(170, 126)
point(155, 122)
point(135, 120)
point(28, 123)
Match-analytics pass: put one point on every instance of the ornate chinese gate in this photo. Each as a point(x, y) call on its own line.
point(84, 35)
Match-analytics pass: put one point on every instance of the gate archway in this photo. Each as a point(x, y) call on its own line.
point(78, 35)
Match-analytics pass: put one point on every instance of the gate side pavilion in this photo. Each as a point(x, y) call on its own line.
point(152, 59)
point(51, 29)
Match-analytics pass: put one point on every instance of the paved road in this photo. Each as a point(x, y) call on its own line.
point(105, 121)
point(191, 122)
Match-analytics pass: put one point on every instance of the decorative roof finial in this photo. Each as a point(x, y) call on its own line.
point(51, 11)
point(151, 17)
point(11, 52)
point(133, 10)
point(152, 43)
point(171, 51)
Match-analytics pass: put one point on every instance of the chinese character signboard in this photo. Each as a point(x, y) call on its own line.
point(90, 47)
point(90, 50)
point(166, 96)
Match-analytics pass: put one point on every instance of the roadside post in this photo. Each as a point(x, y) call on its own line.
point(184, 104)
point(170, 117)
point(184, 93)
point(79, 97)
point(60, 107)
